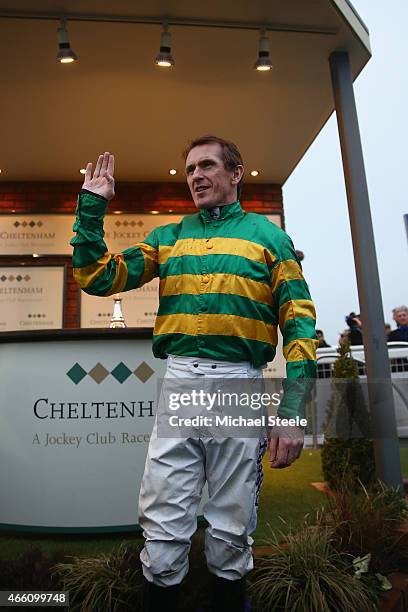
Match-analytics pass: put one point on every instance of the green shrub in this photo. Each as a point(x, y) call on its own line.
point(346, 462)
point(305, 573)
point(347, 453)
point(107, 583)
point(366, 521)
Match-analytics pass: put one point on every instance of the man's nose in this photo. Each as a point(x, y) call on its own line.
point(197, 173)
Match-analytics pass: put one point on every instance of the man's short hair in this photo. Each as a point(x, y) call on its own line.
point(400, 309)
point(230, 153)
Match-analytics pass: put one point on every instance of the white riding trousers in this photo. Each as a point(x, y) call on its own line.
point(175, 472)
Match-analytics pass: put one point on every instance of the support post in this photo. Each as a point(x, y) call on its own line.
point(386, 443)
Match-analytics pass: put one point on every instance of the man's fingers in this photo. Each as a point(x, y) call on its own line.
point(283, 453)
point(288, 451)
point(111, 165)
point(281, 460)
point(108, 177)
point(291, 456)
point(105, 161)
point(273, 446)
point(88, 171)
point(98, 167)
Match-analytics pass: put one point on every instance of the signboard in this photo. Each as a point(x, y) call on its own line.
point(75, 422)
point(36, 234)
point(50, 234)
point(31, 297)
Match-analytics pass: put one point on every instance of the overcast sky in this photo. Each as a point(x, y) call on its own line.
point(314, 196)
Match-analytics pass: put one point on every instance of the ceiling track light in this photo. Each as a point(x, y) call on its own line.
point(65, 54)
point(263, 63)
point(164, 58)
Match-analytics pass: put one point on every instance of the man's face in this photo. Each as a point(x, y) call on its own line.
point(401, 317)
point(211, 184)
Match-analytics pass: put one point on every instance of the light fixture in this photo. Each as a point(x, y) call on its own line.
point(35, 255)
point(65, 54)
point(173, 171)
point(1, 170)
point(254, 172)
point(117, 212)
point(164, 57)
point(82, 171)
point(263, 63)
point(154, 212)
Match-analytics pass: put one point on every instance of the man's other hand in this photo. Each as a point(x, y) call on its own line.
point(285, 445)
point(102, 181)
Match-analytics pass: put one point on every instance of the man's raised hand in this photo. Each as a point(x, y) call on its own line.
point(102, 181)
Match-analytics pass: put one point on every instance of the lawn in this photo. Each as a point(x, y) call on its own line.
point(286, 497)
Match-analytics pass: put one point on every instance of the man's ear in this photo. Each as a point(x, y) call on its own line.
point(237, 174)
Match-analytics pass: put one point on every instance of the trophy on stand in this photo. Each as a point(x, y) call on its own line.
point(117, 319)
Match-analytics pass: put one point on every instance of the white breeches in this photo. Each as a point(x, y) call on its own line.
point(175, 472)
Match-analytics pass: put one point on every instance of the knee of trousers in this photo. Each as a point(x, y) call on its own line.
point(164, 562)
point(227, 559)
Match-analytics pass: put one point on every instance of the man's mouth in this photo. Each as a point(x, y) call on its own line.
point(201, 188)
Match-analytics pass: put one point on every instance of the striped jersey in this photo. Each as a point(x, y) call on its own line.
point(226, 284)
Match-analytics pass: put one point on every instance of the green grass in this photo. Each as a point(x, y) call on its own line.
point(285, 493)
point(11, 543)
point(404, 461)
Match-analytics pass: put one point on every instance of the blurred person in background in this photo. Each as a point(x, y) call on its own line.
point(344, 337)
point(356, 335)
point(400, 316)
point(321, 339)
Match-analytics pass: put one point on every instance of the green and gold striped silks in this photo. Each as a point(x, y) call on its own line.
point(226, 284)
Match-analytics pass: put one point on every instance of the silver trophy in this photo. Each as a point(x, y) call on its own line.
point(117, 319)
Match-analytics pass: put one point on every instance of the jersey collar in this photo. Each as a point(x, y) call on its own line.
point(225, 211)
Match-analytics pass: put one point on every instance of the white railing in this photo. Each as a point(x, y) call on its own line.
point(326, 357)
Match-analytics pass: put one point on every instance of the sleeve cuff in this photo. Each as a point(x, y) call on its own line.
point(95, 195)
point(90, 212)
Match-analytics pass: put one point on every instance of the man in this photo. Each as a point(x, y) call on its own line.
point(400, 316)
point(227, 279)
point(321, 339)
point(356, 329)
